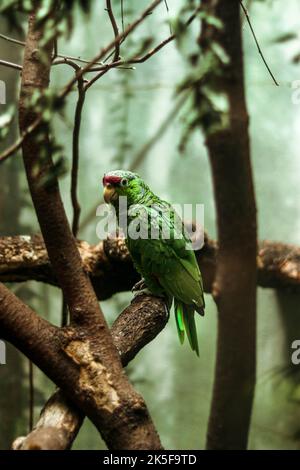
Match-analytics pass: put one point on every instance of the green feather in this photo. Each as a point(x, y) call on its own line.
point(185, 322)
point(179, 320)
point(190, 327)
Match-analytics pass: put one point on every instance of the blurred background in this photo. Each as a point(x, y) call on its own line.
point(124, 111)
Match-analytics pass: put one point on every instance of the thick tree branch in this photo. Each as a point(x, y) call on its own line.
point(60, 420)
point(70, 357)
point(24, 258)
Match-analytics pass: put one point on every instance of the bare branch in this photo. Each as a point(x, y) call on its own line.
point(115, 29)
point(18, 144)
point(62, 56)
point(12, 40)
point(110, 46)
point(257, 43)
point(11, 65)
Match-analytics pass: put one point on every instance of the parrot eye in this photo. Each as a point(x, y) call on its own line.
point(124, 182)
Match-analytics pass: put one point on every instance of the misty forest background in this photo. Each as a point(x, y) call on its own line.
point(122, 112)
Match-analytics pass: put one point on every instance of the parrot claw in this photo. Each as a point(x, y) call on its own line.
point(144, 291)
point(140, 285)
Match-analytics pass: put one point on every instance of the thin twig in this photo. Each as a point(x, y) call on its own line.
point(62, 56)
point(168, 11)
point(17, 145)
point(11, 65)
point(257, 43)
point(75, 143)
point(115, 29)
point(14, 41)
point(75, 151)
point(122, 15)
point(105, 50)
point(55, 49)
point(138, 60)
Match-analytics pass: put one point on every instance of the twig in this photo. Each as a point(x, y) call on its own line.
point(115, 29)
point(17, 145)
point(257, 43)
point(138, 60)
point(11, 65)
point(122, 15)
point(14, 41)
point(167, 8)
point(61, 56)
point(110, 46)
point(75, 151)
point(55, 47)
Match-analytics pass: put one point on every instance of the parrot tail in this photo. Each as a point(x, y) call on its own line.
point(185, 322)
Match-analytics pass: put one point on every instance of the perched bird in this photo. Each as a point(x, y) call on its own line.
point(160, 248)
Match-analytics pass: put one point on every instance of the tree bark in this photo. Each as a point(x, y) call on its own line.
point(70, 358)
point(60, 420)
point(25, 258)
point(95, 380)
point(236, 276)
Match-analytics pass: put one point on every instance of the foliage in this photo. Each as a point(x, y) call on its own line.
point(206, 65)
point(54, 25)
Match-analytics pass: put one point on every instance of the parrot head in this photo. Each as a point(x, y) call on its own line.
point(123, 183)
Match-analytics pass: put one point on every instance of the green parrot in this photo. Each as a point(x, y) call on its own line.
point(158, 245)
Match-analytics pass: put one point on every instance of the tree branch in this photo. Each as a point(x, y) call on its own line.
point(70, 357)
point(60, 420)
point(115, 29)
point(24, 258)
point(11, 65)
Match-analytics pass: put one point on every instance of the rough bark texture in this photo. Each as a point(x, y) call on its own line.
point(56, 428)
point(60, 420)
point(235, 283)
point(70, 358)
point(95, 378)
point(25, 258)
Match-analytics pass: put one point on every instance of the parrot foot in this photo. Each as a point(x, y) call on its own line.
point(144, 291)
point(139, 285)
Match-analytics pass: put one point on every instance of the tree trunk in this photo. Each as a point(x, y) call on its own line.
point(235, 283)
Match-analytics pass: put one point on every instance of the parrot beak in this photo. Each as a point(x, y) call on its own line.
point(109, 193)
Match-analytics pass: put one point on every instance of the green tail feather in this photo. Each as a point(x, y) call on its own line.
point(185, 322)
point(179, 320)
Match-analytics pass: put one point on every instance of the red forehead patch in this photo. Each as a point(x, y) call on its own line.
point(111, 180)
